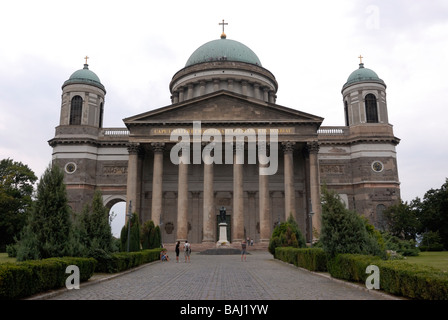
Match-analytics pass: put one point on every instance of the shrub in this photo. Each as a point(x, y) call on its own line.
point(402, 247)
point(413, 281)
point(351, 267)
point(134, 244)
point(397, 277)
point(150, 235)
point(313, 259)
point(431, 241)
point(22, 279)
point(344, 231)
point(120, 261)
point(286, 234)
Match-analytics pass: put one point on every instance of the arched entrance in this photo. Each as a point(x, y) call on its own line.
point(117, 210)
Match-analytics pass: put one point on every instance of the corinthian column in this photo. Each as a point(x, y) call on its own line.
point(290, 209)
point(156, 207)
point(238, 195)
point(182, 199)
point(208, 210)
point(263, 197)
point(313, 149)
point(132, 179)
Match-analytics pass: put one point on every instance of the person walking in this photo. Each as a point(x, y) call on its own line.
point(187, 251)
point(177, 251)
point(243, 250)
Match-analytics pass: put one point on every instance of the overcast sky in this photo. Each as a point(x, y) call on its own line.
point(135, 47)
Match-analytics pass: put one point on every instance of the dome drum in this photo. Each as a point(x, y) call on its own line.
point(238, 77)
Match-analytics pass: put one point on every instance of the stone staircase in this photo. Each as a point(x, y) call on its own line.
point(200, 247)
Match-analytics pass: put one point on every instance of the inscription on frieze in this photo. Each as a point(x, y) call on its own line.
point(222, 131)
point(332, 169)
point(115, 170)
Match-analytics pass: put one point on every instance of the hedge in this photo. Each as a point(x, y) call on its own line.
point(313, 259)
point(22, 279)
point(397, 277)
point(121, 261)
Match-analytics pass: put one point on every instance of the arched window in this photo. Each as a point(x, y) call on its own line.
point(76, 110)
point(101, 115)
point(371, 108)
point(346, 113)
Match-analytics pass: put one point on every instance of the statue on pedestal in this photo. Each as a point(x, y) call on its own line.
point(222, 214)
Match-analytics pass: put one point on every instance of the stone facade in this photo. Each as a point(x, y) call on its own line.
point(134, 163)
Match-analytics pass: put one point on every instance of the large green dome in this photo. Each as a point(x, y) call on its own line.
point(362, 75)
point(223, 50)
point(84, 76)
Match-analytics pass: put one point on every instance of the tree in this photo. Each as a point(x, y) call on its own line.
point(433, 212)
point(134, 243)
point(150, 235)
point(48, 229)
point(16, 189)
point(402, 219)
point(286, 234)
point(343, 230)
point(93, 228)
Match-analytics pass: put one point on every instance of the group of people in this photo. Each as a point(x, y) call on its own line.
point(187, 251)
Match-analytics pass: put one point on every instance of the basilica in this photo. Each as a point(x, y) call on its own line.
point(224, 142)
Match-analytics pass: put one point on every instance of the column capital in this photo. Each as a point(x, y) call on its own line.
point(288, 146)
point(312, 147)
point(134, 148)
point(158, 146)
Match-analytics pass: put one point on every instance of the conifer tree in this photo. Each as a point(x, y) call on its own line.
point(134, 243)
point(343, 230)
point(93, 228)
point(48, 230)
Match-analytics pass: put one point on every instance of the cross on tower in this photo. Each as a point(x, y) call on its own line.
point(360, 58)
point(223, 24)
point(86, 57)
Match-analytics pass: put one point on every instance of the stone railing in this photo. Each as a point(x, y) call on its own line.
point(114, 132)
point(333, 131)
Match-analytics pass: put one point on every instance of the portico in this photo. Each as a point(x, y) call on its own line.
point(258, 191)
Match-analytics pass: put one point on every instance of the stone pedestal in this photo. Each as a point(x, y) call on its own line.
point(222, 235)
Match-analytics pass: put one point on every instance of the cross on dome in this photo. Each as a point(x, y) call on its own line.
point(223, 35)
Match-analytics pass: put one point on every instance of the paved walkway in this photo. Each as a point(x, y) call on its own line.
point(218, 277)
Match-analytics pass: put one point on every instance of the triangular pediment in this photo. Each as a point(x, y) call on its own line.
point(223, 107)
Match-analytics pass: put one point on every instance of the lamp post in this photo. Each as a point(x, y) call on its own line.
point(129, 215)
point(310, 221)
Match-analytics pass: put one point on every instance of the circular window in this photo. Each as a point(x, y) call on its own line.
point(377, 166)
point(70, 167)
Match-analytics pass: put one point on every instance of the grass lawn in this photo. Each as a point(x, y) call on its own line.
point(436, 259)
point(4, 258)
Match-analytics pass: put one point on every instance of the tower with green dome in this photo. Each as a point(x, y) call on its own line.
point(364, 96)
point(83, 97)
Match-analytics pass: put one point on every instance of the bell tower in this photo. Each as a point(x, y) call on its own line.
point(364, 97)
point(82, 99)
point(76, 144)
